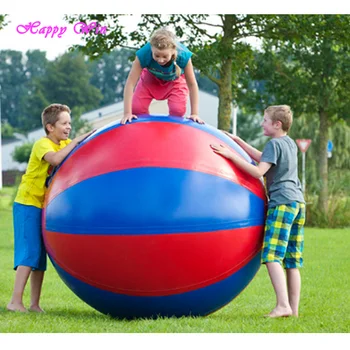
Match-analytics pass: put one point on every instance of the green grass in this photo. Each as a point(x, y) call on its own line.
point(6, 198)
point(324, 306)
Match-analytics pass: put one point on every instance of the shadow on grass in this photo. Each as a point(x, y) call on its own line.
point(96, 316)
point(90, 314)
point(71, 313)
point(61, 313)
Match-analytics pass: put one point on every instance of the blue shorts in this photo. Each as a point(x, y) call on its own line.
point(29, 245)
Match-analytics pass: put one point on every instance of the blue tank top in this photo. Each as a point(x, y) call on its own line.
point(167, 73)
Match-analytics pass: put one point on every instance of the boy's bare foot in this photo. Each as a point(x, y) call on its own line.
point(280, 312)
point(36, 308)
point(16, 307)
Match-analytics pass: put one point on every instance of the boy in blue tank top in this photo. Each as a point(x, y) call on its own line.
point(284, 227)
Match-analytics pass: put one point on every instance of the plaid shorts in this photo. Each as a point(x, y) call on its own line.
point(284, 235)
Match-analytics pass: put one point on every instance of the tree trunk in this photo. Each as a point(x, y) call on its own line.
point(225, 96)
point(225, 84)
point(323, 163)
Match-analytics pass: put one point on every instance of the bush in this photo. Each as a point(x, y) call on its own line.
point(7, 131)
point(338, 214)
point(21, 153)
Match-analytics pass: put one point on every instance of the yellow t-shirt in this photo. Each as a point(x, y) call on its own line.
point(31, 190)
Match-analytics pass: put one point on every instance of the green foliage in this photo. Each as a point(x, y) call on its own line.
point(205, 84)
point(35, 100)
point(23, 99)
point(338, 211)
point(96, 45)
point(28, 88)
point(21, 153)
point(309, 73)
point(338, 214)
point(22, 95)
point(339, 133)
point(249, 128)
point(67, 81)
point(6, 195)
point(307, 127)
point(79, 126)
point(109, 74)
point(7, 130)
point(3, 21)
point(312, 75)
point(13, 85)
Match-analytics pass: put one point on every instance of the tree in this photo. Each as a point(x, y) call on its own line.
point(21, 153)
point(205, 84)
point(249, 128)
point(79, 126)
point(3, 21)
point(30, 83)
point(312, 74)
point(19, 78)
point(220, 52)
point(307, 126)
point(33, 101)
point(12, 81)
point(67, 82)
point(6, 130)
point(109, 74)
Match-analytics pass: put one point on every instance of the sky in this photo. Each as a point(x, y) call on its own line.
point(10, 38)
point(57, 36)
point(55, 44)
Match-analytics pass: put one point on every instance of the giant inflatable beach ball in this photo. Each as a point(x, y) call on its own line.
point(145, 220)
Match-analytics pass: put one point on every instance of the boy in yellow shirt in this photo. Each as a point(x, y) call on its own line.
point(30, 254)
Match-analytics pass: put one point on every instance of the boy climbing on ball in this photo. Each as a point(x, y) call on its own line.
point(29, 250)
point(284, 226)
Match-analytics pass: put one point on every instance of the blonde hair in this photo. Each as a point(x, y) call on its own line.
point(51, 113)
point(164, 39)
point(282, 113)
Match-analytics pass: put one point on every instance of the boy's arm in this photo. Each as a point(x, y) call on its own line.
point(255, 171)
point(254, 153)
point(56, 158)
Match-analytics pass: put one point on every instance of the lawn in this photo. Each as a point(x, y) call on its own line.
point(324, 306)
